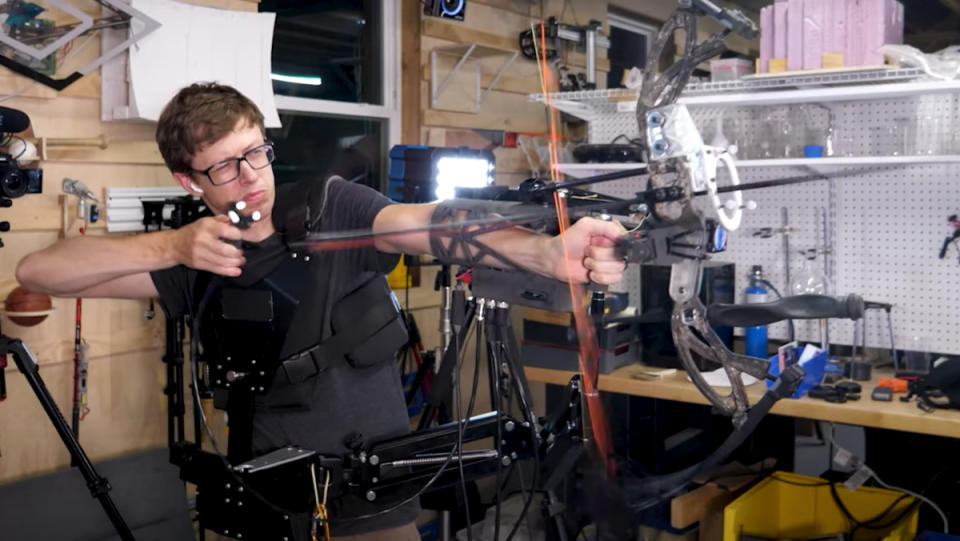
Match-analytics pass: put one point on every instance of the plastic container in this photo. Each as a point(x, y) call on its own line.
point(775, 508)
point(729, 69)
point(813, 151)
point(813, 370)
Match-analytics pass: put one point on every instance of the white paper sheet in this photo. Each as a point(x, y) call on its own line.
point(718, 378)
point(196, 44)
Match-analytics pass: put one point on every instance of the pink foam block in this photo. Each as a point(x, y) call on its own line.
point(766, 37)
point(795, 35)
point(882, 24)
point(814, 13)
point(853, 47)
point(835, 32)
point(780, 29)
point(874, 30)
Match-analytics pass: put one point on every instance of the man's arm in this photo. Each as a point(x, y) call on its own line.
point(99, 266)
point(585, 253)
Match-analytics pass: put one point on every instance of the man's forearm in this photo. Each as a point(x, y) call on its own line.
point(517, 245)
point(76, 264)
point(587, 252)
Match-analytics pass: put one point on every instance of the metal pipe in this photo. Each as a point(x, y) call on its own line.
point(785, 225)
point(827, 262)
point(591, 39)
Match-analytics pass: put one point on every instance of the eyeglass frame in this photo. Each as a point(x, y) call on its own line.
point(243, 158)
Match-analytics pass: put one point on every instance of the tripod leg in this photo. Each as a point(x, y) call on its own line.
point(511, 360)
point(443, 382)
point(99, 486)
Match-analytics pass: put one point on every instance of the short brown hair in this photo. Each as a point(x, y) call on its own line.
point(199, 115)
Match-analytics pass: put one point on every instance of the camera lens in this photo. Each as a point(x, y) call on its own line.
point(13, 183)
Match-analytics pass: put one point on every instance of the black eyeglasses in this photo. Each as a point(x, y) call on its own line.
point(229, 170)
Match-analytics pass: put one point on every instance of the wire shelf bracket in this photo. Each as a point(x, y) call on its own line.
point(465, 52)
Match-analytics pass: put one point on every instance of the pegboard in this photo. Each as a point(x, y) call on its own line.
point(885, 226)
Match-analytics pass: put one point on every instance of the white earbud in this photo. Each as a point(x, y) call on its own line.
point(195, 188)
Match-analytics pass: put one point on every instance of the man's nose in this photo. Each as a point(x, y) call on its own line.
point(247, 172)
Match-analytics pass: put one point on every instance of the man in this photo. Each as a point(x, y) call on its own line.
point(212, 140)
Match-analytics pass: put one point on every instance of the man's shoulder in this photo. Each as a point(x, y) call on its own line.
point(312, 200)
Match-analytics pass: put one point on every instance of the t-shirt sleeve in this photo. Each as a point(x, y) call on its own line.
point(351, 206)
point(174, 286)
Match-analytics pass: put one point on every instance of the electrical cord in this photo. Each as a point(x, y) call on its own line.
point(212, 288)
point(499, 441)
point(536, 463)
point(470, 405)
point(23, 150)
point(423, 489)
point(918, 497)
point(460, 423)
point(632, 141)
point(196, 317)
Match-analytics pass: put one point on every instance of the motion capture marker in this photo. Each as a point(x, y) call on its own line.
point(238, 219)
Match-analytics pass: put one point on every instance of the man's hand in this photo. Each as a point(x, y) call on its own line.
point(203, 245)
point(590, 248)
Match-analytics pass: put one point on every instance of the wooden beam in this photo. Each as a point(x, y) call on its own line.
point(518, 85)
point(409, 65)
point(500, 111)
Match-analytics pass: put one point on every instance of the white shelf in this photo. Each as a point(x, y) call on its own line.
point(799, 79)
point(581, 170)
point(846, 161)
point(888, 84)
point(824, 94)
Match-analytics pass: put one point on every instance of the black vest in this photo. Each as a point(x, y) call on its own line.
point(257, 341)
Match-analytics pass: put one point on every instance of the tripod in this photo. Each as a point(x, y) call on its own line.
point(99, 486)
point(506, 379)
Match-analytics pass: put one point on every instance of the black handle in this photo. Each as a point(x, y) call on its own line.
point(946, 243)
point(797, 307)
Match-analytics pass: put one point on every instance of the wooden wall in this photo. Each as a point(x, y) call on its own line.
point(126, 375)
point(493, 24)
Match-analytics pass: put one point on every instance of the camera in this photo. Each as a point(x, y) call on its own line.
point(15, 182)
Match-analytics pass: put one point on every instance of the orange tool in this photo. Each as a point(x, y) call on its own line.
point(896, 385)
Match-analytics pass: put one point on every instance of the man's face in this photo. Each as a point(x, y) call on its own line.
point(253, 186)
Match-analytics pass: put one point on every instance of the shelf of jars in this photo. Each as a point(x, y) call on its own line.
point(583, 170)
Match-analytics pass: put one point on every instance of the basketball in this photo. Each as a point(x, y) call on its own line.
point(22, 299)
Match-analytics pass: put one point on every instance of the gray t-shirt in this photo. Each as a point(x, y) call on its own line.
point(343, 401)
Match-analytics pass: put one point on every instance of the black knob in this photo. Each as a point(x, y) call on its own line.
point(4, 227)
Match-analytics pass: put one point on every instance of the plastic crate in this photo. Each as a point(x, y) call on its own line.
point(729, 69)
point(778, 507)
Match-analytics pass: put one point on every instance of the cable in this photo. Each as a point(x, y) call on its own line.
point(800, 483)
point(23, 151)
point(460, 422)
point(492, 357)
point(212, 288)
point(194, 377)
point(536, 462)
point(919, 497)
point(429, 483)
point(924, 499)
point(632, 141)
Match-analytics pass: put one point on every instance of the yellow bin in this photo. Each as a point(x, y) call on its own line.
point(787, 505)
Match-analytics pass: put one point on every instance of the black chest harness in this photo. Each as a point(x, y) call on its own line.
point(264, 335)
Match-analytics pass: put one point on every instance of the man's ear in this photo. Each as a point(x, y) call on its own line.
point(187, 183)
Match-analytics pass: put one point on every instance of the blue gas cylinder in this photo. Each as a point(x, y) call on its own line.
point(756, 337)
